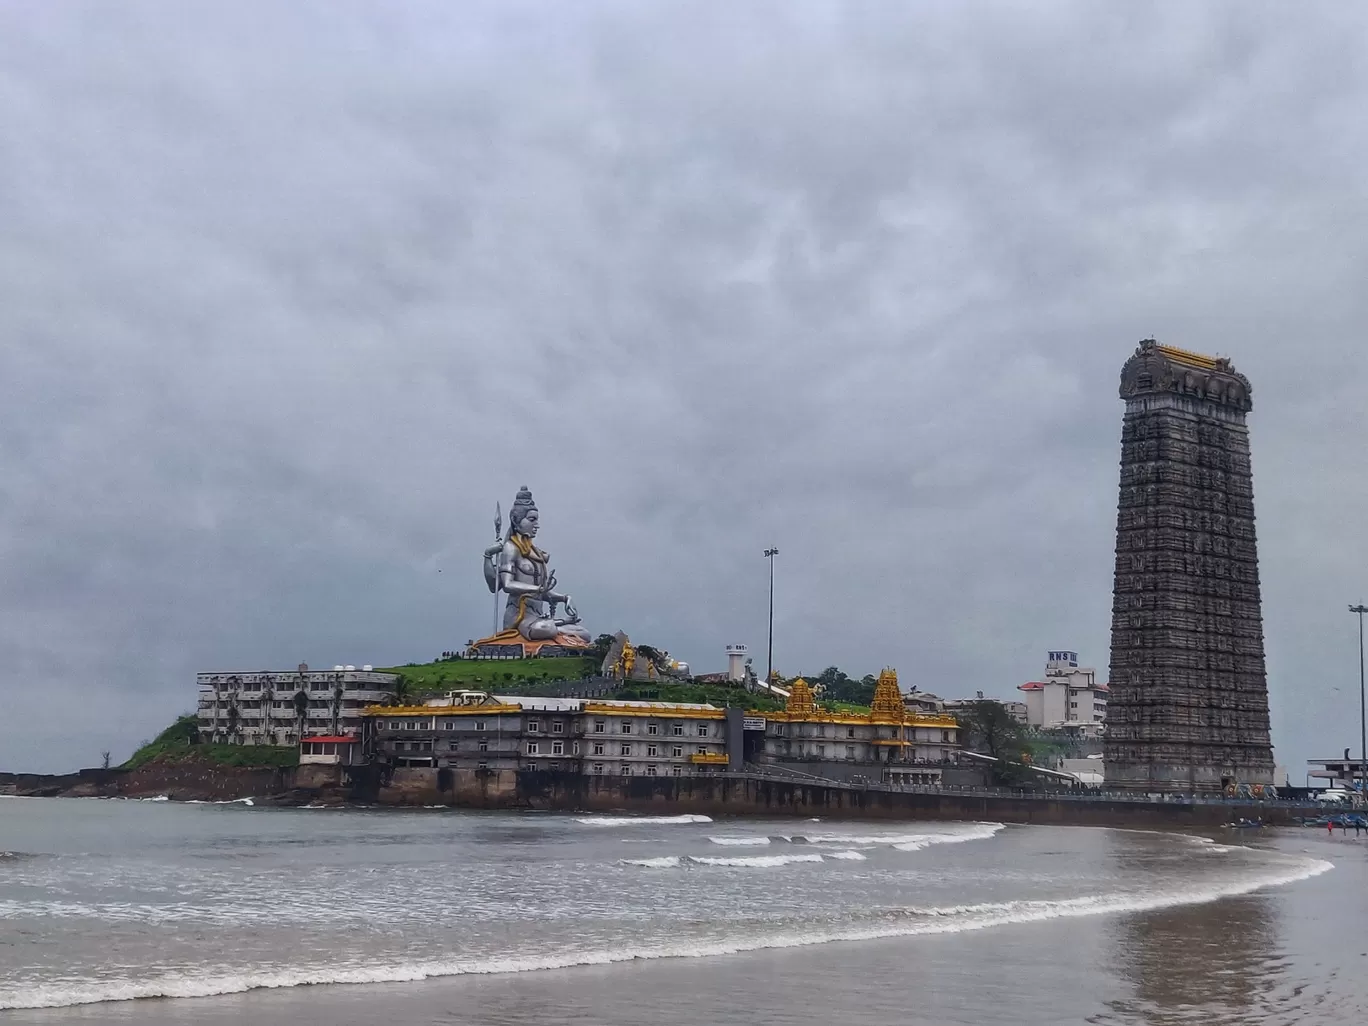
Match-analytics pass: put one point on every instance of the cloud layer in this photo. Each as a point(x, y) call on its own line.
point(291, 296)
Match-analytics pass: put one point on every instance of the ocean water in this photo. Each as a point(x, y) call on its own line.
point(146, 911)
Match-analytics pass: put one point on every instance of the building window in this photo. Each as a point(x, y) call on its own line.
point(558, 727)
point(598, 747)
point(479, 724)
point(382, 725)
point(557, 747)
point(676, 770)
point(850, 751)
point(483, 746)
point(599, 726)
point(651, 770)
point(448, 724)
point(945, 736)
point(702, 749)
point(483, 766)
point(850, 731)
point(677, 751)
point(626, 769)
point(575, 748)
point(702, 730)
point(678, 730)
point(626, 727)
point(625, 750)
point(821, 751)
point(653, 729)
point(532, 747)
point(652, 750)
point(553, 764)
point(598, 767)
point(534, 726)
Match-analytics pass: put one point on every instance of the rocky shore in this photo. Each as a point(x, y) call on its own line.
point(185, 780)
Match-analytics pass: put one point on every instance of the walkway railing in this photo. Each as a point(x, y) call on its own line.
point(1091, 796)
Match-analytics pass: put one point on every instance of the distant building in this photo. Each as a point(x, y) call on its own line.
point(1016, 710)
point(476, 731)
point(1068, 696)
point(284, 707)
point(330, 750)
point(1343, 773)
point(736, 662)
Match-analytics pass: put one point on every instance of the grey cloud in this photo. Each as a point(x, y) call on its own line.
point(289, 297)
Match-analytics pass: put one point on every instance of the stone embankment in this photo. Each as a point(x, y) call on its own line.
point(738, 794)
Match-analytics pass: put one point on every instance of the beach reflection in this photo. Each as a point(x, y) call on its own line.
point(1216, 962)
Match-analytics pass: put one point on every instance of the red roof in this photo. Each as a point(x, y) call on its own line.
point(1032, 685)
point(338, 738)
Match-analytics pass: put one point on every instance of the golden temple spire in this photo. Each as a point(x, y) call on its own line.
point(800, 700)
point(887, 706)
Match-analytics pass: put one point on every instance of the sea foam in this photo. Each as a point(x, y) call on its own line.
point(617, 821)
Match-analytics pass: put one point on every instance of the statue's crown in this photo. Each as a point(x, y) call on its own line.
point(521, 504)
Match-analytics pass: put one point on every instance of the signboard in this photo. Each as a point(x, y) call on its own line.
point(753, 723)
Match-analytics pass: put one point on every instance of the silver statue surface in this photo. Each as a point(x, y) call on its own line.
point(520, 570)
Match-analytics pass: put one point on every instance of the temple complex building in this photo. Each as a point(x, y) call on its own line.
point(1188, 704)
point(890, 742)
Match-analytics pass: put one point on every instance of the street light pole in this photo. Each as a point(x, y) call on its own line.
point(769, 662)
point(1360, 609)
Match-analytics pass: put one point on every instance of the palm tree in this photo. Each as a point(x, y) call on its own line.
point(301, 706)
point(267, 696)
point(337, 705)
point(233, 717)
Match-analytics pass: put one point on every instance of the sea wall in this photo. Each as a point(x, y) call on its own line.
point(747, 795)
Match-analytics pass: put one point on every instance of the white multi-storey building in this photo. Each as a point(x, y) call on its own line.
point(1069, 696)
point(283, 708)
point(472, 730)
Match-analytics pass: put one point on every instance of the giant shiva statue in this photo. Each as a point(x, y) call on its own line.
point(516, 567)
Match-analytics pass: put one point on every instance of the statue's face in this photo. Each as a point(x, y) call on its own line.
point(527, 527)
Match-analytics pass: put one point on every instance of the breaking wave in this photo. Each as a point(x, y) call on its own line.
point(752, 861)
point(741, 841)
point(906, 922)
point(201, 801)
point(906, 842)
point(613, 821)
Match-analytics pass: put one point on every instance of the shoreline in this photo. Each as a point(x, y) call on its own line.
point(742, 795)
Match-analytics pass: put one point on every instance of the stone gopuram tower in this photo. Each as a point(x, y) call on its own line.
point(1188, 709)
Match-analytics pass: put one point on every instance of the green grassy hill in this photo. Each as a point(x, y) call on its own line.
point(504, 675)
point(180, 742)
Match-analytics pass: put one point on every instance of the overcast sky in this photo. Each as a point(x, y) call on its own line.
point(291, 295)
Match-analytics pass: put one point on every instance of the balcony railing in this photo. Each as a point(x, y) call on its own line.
point(708, 759)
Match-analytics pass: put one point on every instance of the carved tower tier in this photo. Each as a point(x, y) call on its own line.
point(1188, 709)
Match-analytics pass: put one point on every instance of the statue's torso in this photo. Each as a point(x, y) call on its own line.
point(525, 570)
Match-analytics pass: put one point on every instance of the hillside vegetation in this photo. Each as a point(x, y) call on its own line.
point(180, 742)
point(502, 675)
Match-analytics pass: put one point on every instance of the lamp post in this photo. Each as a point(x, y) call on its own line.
point(1360, 609)
point(769, 662)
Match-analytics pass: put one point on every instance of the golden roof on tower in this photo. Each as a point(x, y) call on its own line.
point(1189, 358)
point(800, 700)
point(887, 705)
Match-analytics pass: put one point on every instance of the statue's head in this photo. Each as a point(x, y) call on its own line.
point(523, 518)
